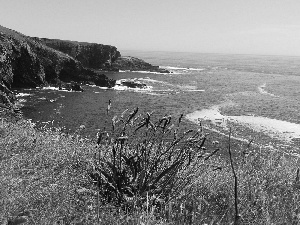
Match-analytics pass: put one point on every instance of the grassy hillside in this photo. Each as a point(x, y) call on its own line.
point(46, 179)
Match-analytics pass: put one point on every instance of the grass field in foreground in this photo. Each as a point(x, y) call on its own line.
point(45, 179)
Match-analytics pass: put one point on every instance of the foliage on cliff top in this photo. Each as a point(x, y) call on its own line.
point(45, 178)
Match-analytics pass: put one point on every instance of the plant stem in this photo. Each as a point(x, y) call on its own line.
point(236, 218)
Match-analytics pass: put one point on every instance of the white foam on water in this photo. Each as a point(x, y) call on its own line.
point(23, 94)
point(50, 88)
point(262, 90)
point(120, 87)
point(198, 90)
point(150, 72)
point(274, 128)
point(147, 79)
point(189, 88)
point(197, 69)
point(165, 90)
point(65, 90)
point(155, 94)
point(181, 68)
point(151, 80)
point(22, 100)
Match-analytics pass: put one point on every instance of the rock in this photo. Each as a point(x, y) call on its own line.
point(135, 64)
point(103, 81)
point(76, 87)
point(133, 84)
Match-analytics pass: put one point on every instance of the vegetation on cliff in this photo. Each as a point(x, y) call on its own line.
point(91, 55)
point(48, 177)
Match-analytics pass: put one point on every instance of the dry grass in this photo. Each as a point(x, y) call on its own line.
point(45, 176)
point(41, 172)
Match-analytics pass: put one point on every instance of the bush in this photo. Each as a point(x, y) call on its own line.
point(142, 162)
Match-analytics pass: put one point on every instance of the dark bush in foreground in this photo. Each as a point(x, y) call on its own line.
point(140, 162)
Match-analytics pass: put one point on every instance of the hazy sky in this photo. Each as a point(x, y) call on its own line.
point(269, 27)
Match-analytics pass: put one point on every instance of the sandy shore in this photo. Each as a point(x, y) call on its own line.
point(279, 129)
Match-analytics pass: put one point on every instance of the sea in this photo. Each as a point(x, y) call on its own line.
point(255, 97)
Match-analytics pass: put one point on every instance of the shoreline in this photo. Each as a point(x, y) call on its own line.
point(278, 129)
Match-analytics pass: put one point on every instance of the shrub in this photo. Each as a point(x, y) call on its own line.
point(142, 162)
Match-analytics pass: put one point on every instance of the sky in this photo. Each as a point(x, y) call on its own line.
point(265, 27)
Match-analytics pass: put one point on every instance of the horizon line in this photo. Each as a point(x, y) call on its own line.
point(209, 53)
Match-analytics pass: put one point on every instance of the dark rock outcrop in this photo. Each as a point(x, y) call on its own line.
point(135, 64)
point(103, 81)
point(73, 86)
point(28, 62)
point(133, 84)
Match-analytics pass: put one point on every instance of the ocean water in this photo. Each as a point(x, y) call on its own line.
point(257, 96)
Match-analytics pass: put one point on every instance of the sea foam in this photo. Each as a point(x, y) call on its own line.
point(274, 128)
point(23, 94)
point(262, 90)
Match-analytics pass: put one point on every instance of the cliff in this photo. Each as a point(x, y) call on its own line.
point(98, 56)
point(28, 62)
point(91, 55)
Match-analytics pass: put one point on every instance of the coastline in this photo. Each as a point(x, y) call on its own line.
point(274, 128)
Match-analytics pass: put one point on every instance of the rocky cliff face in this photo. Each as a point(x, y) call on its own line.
point(31, 62)
point(28, 62)
point(91, 55)
point(25, 62)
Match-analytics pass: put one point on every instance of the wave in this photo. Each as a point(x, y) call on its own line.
point(262, 90)
point(142, 71)
point(20, 102)
point(50, 88)
point(198, 90)
point(147, 79)
point(187, 88)
point(139, 87)
point(274, 128)
point(23, 94)
point(103, 88)
point(151, 72)
point(57, 89)
point(181, 68)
